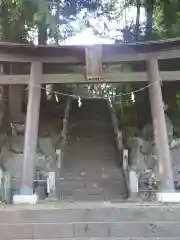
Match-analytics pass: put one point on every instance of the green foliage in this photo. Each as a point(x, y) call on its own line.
point(52, 16)
point(18, 16)
point(13, 19)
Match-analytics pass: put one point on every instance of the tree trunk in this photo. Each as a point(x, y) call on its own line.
point(149, 14)
point(142, 119)
point(42, 32)
point(42, 40)
point(169, 17)
point(138, 12)
point(4, 22)
point(57, 22)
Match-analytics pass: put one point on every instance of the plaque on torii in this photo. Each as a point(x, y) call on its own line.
point(94, 69)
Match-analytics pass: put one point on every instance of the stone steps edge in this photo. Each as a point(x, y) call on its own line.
point(90, 230)
point(108, 238)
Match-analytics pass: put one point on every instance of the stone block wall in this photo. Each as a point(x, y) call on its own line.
point(91, 221)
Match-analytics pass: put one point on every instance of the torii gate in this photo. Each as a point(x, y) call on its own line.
point(92, 57)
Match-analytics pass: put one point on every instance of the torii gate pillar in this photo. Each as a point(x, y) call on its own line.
point(31, 132)
point(159, 123)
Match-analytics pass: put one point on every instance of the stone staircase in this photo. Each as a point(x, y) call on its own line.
point(90, 221)
point(91, 167)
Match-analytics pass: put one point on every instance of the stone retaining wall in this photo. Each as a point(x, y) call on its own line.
point(114, 221)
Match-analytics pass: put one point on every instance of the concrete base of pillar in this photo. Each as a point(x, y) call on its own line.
point(168, 197)
point(51, 184)
point(25, 199)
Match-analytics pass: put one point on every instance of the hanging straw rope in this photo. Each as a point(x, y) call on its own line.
point(82, 96)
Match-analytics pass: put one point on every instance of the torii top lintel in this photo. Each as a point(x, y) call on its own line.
point(110, 53)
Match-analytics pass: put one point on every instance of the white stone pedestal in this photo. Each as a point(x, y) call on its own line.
point(25, 199)
point(173, 197)
point(133, 184)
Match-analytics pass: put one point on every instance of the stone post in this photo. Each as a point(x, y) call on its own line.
point(94, 68)
point(159, 123)
point(31, 131)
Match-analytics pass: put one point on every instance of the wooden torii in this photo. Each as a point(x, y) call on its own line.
point(92, 58)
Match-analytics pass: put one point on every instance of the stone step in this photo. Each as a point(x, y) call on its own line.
point(87, 157)
point(89, 114)
point(85, 145)
point(86, 169)
point(107, 126)
point(90, 109)
point(88, 197)
point(94, 139)
point(100, 129)
point(105, 185)
point(91, 221)
point(84, 176)
point(96, 174)
point(79, 149)
point(62, 212)
point(85, 127)
point(89, 118)
point(84, 149)
point(91, 121)
point(92, 197)
point(92, 173)
point(91, 157)
point(97, 138)
point(91, 187)
point(110, 238)
point(88, 142)
point(91, 104)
